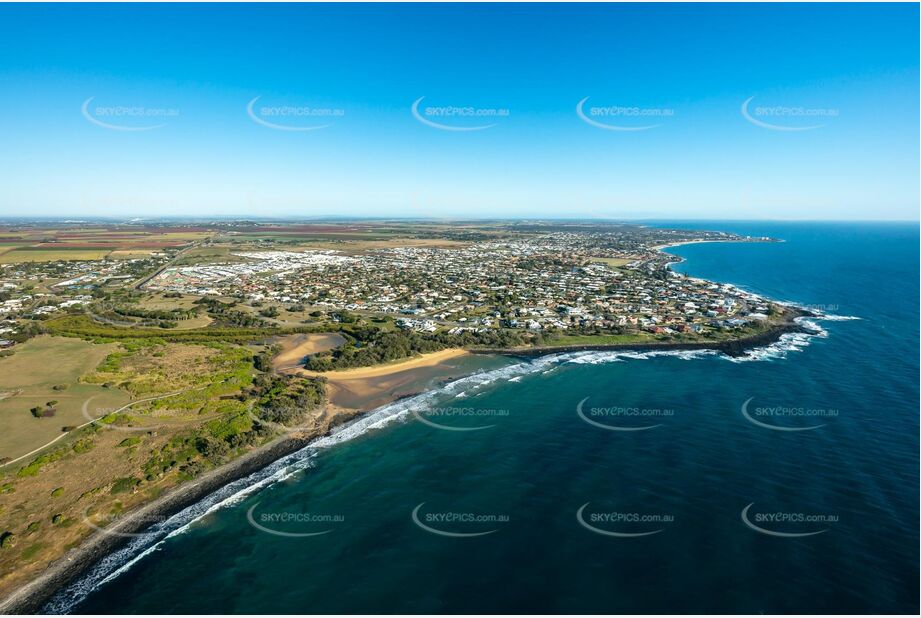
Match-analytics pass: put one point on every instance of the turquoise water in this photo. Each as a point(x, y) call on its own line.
point(525, 476)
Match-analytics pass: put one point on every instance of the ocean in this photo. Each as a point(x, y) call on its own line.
point(598, 482)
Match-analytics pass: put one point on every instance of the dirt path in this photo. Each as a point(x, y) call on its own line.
point(95, 420)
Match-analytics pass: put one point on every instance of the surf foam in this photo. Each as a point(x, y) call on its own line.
point(122, 560)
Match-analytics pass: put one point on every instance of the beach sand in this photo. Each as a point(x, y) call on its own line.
point(366, 388)
point(295, 347)
point(692, 242)
point(349, 392)
point(423, 360)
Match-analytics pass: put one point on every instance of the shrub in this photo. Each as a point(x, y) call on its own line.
point(210, 448)
point(36, 464)
point(191, 470)
point(269, 312)
point(7, 539)
point(83, 446)
point(124, 485)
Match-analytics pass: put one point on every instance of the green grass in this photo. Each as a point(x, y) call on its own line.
point(36, 465)
point(601, 339)
point(613, 262)
point(29, 378)
point(124, 485)
point(82, 326)
point(29, 552)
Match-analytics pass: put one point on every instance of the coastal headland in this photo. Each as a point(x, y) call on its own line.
point(236, 345)
point(370, 385)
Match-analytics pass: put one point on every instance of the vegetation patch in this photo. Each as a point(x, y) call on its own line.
point(124, 485)
point(83, 327)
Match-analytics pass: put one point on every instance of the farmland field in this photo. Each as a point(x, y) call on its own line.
point(130, 254)
point(36, 244)
point(25, 254)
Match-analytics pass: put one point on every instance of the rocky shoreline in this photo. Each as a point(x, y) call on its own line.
point(33, 596)
point(29, 599)
point(733, 347)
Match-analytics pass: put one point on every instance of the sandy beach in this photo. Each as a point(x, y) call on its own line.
point(693, 242)
point(349, 393)
point(365, 388)
point(423, 360)
point(295, 347)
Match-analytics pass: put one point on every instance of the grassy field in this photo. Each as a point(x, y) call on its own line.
point(209, 255)
point(28, 378)
point(83, 327)
point(156, 369)
point(601, 339)
point(97, 473)
point(160, 302)
point(200, 321)
point(130, 254)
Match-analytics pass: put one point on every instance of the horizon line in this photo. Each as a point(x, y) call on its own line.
point(138, 219)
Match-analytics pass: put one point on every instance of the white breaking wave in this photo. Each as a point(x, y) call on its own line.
point(122, 560)
point(788, 342)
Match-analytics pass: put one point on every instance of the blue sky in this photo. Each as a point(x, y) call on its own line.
point(186, 73)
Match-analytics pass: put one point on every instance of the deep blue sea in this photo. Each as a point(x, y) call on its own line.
point(709, 505)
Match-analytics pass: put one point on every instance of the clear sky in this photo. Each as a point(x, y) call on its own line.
point(133, 110)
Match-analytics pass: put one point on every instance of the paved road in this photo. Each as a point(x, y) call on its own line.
point(145, 280)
